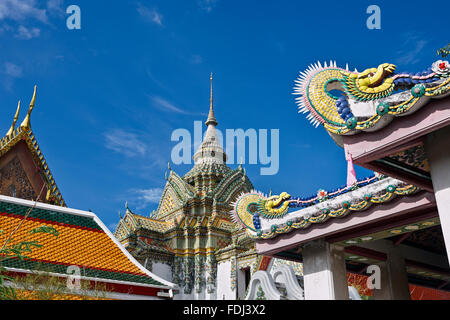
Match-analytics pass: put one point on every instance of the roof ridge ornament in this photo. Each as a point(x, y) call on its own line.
point(26, 122)
point(348, 102)
point(13, 126)
point(211, 118)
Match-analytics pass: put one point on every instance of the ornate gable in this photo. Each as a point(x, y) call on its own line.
point(24, 172)
point(233, 184)
point(175, 194)
point(123, 231)
point(14, 181)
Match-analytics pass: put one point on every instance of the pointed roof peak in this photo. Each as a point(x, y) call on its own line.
point(13, 126)
point(26, 122)
point(211, 118)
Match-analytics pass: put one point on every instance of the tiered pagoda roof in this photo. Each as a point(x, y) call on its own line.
point(199, 199)
point(210, 158)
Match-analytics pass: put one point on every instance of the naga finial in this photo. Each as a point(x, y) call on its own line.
point(48, 196)
point(26, 122)
point(13, 126)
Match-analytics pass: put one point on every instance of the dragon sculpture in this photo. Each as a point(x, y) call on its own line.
point(250, 206)
point(264, 216)
point(346, 102)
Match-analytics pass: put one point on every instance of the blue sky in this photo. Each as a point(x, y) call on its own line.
point(110, 94)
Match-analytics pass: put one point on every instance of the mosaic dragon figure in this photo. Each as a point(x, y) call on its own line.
point(347, 101)
point(250, 206)
point(264, 216)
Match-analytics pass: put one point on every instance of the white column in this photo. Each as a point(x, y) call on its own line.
point(223, 281)
point(437, 146)
point(324, 271)
point(394, 279)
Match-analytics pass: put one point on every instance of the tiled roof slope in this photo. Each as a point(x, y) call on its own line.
point(83, 241)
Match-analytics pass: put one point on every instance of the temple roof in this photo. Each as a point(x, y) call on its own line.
point(131, 222)
point(210, 157)
point(24, 133)
point(207, 168)
point(83, 241)
point(210, 179)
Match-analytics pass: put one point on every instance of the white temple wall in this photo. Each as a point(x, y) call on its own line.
point(224, 279)
point(162, 270)
point(437, 146)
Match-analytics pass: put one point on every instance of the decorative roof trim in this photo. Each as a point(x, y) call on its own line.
point(172, 187)
point(367, 102)
point(223, 190)
point(323, 212)
point(266, 216)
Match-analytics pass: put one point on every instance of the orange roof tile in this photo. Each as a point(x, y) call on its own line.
point(83, 241)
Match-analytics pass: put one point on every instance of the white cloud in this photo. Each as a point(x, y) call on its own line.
point(207, 5)
point(163, 104)
point(24, 12)
point(27, 33)
point(151, 15)
point(21, 10)
point(147, 196)
point(12, 70)
point(125, 143)
point(55, 7)
point(140, 199)
point(413, 46)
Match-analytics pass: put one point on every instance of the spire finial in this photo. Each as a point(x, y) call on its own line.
point(13, 126)
point(211, 78)
point(26, 122)
point(211, 119)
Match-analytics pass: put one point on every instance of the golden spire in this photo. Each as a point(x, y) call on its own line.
point(13, 126)
point(211, 119)
point(26, 122)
